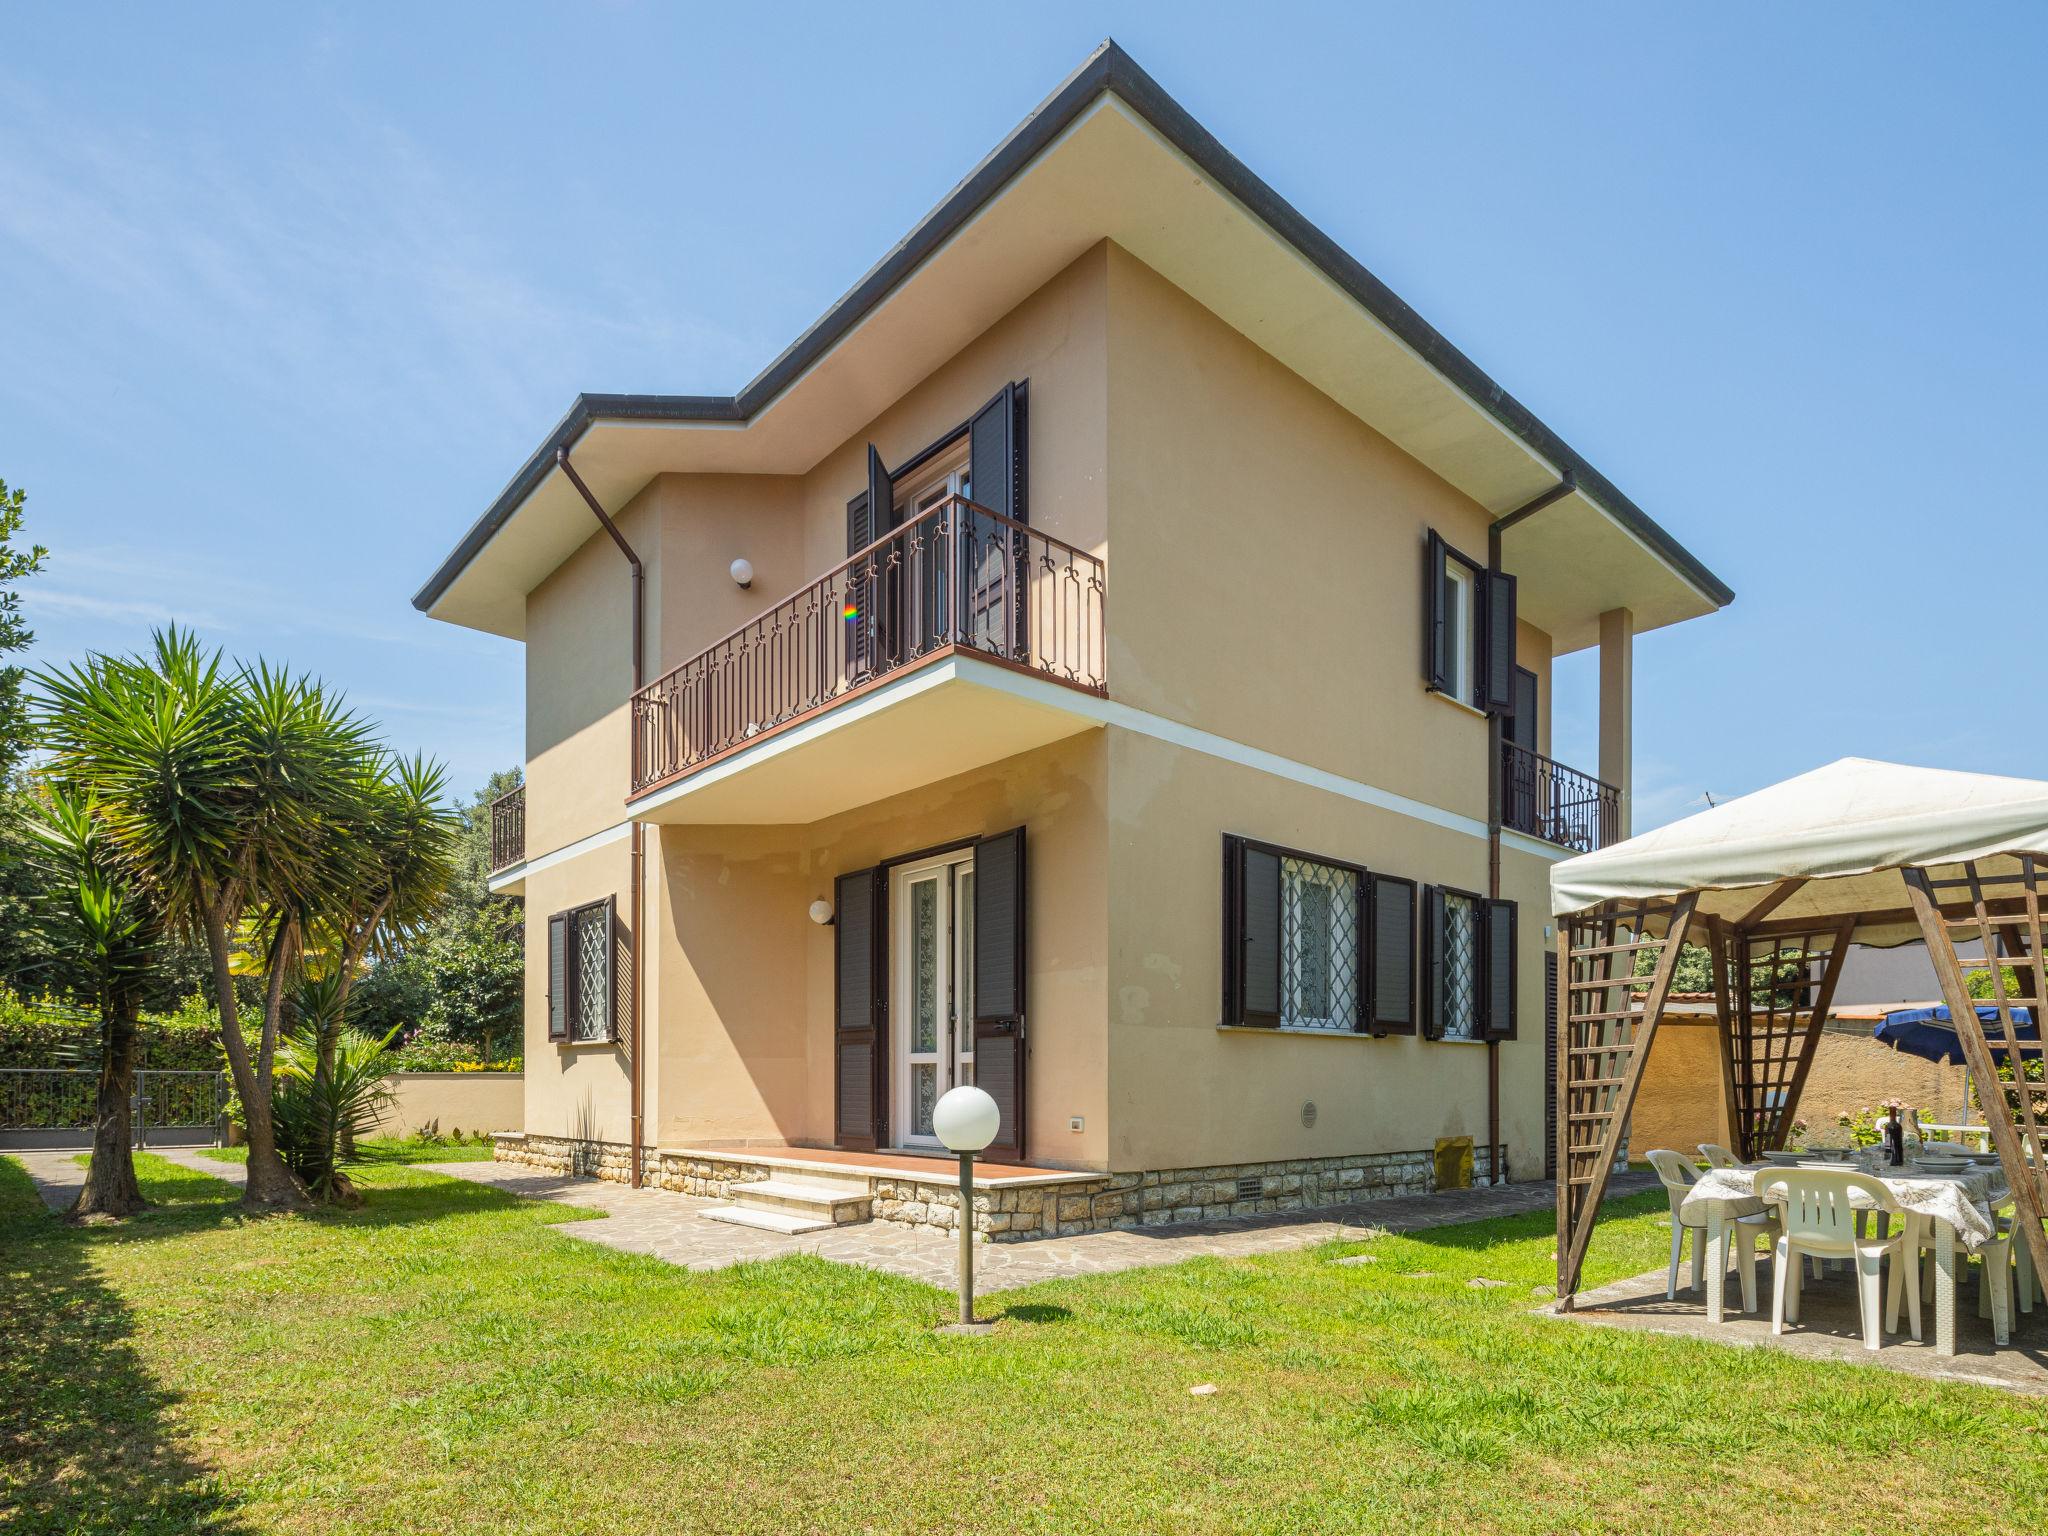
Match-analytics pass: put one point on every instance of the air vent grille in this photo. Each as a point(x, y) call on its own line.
point(1250, 1187)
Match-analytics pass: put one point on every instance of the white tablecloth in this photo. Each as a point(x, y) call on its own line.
point(1963, 1200)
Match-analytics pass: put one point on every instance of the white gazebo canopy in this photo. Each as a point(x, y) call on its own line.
point(1843, 830)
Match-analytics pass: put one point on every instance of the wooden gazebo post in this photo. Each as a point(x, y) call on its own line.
point(1602, 1044)
point(2010, 930)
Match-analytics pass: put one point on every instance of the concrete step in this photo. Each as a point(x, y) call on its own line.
point(842, 1180)
point(789, 1223)
point(833, 1202)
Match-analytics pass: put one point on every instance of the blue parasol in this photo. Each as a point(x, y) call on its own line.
point(1931, 1033)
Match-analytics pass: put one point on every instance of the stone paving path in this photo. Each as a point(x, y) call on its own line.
point(669, 1226)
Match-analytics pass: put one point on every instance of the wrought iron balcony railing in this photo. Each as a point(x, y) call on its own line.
point(1561, 805)
point(958, 578)
point(508, 829)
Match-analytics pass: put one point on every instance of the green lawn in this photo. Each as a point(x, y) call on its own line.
point(388, 1149)
point(438, 1361)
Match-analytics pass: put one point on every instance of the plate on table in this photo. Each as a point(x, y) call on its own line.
point(1832, 1167)
point(1786, 1159)
point(1946, 1164)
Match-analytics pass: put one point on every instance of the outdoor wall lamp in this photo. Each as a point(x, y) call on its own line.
point(743, 572)
point(966, 1120)
point(821, 912)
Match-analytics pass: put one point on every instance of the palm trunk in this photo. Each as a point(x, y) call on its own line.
point(354, 945)
point(271, 1185)
point(110, 1186)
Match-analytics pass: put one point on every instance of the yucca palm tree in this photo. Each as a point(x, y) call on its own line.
point(229, 794)
point(106, 931)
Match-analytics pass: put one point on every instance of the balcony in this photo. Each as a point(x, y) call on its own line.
point(951, 625)
point(508, 829)
point(1561, 805)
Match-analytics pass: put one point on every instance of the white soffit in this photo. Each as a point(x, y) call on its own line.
point(1109, 175)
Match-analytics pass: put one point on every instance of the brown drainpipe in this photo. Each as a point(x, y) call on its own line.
point(633, 907)
point(1557, 492)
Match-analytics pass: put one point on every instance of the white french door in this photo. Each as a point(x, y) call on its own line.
point(931, 990)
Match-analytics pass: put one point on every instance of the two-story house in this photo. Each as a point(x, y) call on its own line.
point(1106, 658)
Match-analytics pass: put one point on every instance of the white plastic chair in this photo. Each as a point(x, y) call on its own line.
point(1678, 1178)
point(1818, 1212)
point(2006, 1275)
point(1718, 1156)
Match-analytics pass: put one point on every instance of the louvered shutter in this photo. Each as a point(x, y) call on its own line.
point(1500, 642)
point(1499, 972)
point(1393, 955)
point(1432, 962)
point(991, 452)
point(558, 976)
point(1436, 669)
point(860, 527)
point(1000, 898)
point(857, 1032)
point(1255, 932)
point(995, 472)
point(881, 498)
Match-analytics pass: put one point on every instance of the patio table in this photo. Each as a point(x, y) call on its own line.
point(1956, 1205)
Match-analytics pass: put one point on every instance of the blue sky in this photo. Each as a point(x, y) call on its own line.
point(287, 293)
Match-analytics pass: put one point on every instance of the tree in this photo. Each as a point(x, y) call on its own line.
point(405, 857)
point(25, 877)
point(16, 734)
point(228, 793)
point(461, 974)
point(105, 929)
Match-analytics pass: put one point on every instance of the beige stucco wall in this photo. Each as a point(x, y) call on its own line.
point(1681, 1102)
point(447, 1102)
point(1183, 1091)
point(575, 1090)
point(1266, 570)
point(747, 978)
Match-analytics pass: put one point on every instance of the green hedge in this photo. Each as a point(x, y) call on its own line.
point(42, 1032)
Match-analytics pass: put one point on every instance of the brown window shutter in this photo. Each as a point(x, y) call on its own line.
point(858, 1041)
point(1001, 904)
point(1498, 970)
point(1392, 927)
point(1435, 660)
point(881, 508)
point(992, 443)
point(1432, 962)
point(999, 897)
point(1257, 932)
point(1500, 643)
point(558, 976)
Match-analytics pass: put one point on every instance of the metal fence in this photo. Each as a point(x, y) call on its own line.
point(53, 1106)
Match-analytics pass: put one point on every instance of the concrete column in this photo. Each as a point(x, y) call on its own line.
point(1617, 704)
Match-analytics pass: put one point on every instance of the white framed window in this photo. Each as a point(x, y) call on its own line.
point(1455, 624)
point(1461, 628)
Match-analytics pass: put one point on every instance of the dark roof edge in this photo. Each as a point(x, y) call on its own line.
point(1107, 69)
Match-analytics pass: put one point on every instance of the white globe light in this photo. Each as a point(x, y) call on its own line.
point(821, 912)
point(965, 1119)
point(743, 572)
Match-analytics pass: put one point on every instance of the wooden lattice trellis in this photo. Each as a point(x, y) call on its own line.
point(1771, 1005)
point(1774, 983)
point(1606, 1025)
point(2002, 911)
